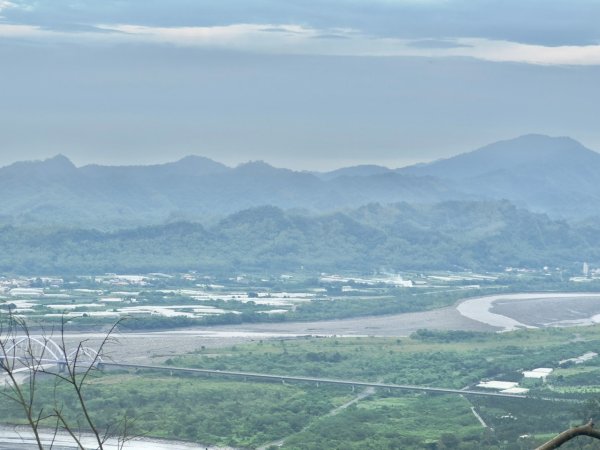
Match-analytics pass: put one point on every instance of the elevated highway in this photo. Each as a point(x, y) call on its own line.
point(314, 380)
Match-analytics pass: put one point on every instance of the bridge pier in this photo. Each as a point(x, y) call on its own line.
point(62, 367)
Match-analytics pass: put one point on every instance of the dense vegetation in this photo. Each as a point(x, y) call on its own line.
point(447, 236)
point(309, 417)
point(225, 412)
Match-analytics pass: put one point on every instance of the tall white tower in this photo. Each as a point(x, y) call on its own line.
point(586, 269)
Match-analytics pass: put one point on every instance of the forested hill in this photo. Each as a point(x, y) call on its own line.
point(448, 235)
point(557, 176)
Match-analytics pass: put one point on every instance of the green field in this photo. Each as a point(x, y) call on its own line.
point(304, 416)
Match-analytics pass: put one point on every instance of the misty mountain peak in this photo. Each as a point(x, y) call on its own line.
point(199, 165)
point(364, 170)
point(58, 162)
point(56, 166)
point(530, 150)
point(257, 167)
point(532, 146)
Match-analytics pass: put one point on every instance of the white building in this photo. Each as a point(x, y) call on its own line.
point(540, 373)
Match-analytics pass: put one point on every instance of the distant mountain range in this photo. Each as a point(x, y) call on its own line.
point(557, 176)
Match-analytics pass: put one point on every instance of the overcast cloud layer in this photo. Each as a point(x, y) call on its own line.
point(307, 84)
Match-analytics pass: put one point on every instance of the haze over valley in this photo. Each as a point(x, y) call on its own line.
point(299, 225)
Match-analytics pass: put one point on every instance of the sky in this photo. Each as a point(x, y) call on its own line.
point(304, 84)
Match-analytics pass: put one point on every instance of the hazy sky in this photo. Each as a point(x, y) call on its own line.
point(307, 84)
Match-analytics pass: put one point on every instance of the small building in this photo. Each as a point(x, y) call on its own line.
point(498, 385)
point(515, 390)
point(580, 359)
point(539, 373)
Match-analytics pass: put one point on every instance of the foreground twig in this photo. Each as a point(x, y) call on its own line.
point(583, 430)
point(24, 358)
point(12, 389)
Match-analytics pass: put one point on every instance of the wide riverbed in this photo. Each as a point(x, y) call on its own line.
point(21, 438)
point(489, 313)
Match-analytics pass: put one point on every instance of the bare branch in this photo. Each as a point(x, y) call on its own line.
point(68, 428)
point(23, 399)
point(583, 430)
point(24, 357)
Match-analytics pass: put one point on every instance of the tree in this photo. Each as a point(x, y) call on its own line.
point(25, 358)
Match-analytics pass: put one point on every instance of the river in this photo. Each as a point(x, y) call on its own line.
point(489, 313)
